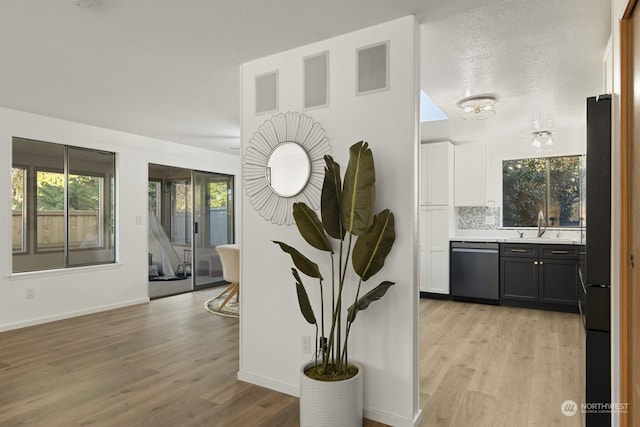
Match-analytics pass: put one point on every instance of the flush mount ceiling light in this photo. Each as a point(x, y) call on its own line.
point(541, 139)
point(477, 107)
point(85, 3)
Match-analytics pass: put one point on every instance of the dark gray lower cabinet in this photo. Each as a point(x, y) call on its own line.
point(539, 276)
point(559, 281)
point(519, 279)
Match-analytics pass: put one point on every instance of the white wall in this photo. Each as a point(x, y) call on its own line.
point(617, 9)
point(66, 293)
point(384, 337)
point(566, 144)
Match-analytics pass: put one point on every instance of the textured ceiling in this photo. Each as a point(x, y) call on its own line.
point(541, 58)
point(169, 69)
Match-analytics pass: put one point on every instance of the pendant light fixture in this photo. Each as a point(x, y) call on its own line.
point(541, 137)
point(541, 140)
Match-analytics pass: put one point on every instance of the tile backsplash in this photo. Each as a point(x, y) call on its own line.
point(478, 218)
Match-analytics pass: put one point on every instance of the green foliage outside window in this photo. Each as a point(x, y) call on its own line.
point(524, 191)
point(550, 185)
point(84, 191)
point(153, 196)
point(17, 188)
point(564, 189)
point(218, 194)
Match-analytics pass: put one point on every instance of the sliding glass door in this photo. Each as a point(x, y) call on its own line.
point(213, 224)
point(190, 213)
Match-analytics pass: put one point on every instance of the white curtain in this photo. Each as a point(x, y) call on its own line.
point(160, 247)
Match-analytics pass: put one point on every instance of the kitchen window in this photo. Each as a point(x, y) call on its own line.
point(63, 205)
point(547, 184)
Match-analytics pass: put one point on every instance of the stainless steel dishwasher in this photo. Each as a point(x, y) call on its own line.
point(475, 272)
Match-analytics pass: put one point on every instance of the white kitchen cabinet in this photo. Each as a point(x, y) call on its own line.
point(436, 215)
point(436, 177)
point(435, 224)
point(471, 175)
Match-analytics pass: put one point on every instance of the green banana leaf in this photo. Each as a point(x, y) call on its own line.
point(303, 263)
point(303, 299)
point(358, 191)
point(310, 227)
point(363, 302)
point(371, 249)
point(331, 199)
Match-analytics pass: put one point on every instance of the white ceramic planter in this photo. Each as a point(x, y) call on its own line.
point(330, 403)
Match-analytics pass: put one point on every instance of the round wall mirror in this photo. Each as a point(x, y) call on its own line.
point(284, 164)
point(288, 169)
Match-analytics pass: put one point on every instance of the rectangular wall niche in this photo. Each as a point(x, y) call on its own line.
point(372, 68)
point(267, 92)
point(316, 81)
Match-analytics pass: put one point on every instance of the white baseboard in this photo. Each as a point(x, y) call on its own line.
point(392, 420)
point(68, 315)
point(270, 384)
point(418, 419)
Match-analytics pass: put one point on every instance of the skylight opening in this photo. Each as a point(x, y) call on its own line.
point(429, 111)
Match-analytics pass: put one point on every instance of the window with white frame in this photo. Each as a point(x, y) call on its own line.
point(63, 206)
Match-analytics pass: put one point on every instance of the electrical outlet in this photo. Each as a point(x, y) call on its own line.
point(306, 345)
point(30, 293)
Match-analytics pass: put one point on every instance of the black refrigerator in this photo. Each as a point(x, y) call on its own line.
point(595, 266)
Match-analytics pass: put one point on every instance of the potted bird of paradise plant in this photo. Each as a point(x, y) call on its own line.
point(351, 234)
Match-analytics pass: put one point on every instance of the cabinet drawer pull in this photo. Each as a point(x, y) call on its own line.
point(522, 251)
point(541, 262)
point(582, 253)
point(559, 252)
point(535, 262)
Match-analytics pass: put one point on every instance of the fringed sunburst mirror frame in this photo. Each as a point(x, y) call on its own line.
point(284, 128)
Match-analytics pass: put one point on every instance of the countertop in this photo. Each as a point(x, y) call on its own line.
point(501, 239)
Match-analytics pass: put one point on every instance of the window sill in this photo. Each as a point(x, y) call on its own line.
point(63, 271)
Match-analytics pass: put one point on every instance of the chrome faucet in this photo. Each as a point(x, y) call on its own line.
point(542, 224)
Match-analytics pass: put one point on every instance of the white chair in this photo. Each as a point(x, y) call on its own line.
point(230, 259)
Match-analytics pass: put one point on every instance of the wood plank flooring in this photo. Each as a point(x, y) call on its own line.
point(495, 366)
point(170, 363)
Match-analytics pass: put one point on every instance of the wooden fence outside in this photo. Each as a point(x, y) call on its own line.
point(83, 229)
